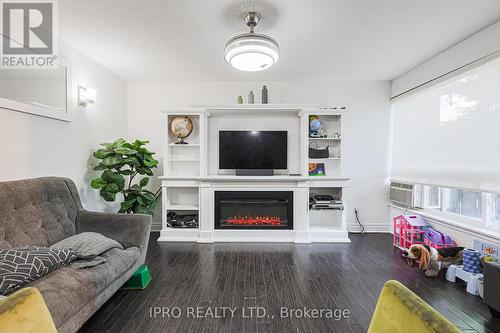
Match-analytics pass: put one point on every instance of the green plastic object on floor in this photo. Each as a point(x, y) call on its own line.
point(139, 280)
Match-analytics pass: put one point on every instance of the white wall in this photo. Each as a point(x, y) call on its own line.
point(33, 146)
point(365, 127)
point(477, 46)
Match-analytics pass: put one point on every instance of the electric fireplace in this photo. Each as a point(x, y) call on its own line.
point(253, 210)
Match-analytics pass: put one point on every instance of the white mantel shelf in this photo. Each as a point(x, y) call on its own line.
point(260, 109)
point(231, 178)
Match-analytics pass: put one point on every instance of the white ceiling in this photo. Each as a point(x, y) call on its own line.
point(175, 40)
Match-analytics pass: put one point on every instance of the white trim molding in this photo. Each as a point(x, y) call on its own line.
point(383, 228)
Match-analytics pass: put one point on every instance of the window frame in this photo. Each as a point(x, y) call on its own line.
point(485, 222)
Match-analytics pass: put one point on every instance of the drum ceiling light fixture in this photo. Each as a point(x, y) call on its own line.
point(252, 52)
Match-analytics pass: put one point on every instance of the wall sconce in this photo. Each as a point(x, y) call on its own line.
point(86, 96)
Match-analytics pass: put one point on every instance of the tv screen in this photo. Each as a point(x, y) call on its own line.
point(253, 150)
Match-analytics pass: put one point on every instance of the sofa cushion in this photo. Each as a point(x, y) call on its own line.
point(39, 211)
point(68, 290)
point(87, 244)
point(20, 266)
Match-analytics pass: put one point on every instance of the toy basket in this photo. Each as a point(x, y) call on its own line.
point(472, 261)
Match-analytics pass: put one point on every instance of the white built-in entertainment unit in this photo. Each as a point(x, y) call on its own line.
point(271, 208)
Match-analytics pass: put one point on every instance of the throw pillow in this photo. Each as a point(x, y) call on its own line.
point(18, 266)
point(87, 244)
point(87, 263)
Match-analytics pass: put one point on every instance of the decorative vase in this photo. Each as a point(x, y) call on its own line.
point(251, 97)
point(265, 97)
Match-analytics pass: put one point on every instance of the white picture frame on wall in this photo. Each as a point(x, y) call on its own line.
point(45, 110)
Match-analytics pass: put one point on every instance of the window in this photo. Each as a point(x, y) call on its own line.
point(479, 209)
point(454, 201)
point(462, 202)
point(493, 213)
point(433, 197)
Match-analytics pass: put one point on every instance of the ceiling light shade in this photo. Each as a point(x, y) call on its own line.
point(251, 52)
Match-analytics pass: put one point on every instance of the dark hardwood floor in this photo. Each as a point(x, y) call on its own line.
point(272, 276)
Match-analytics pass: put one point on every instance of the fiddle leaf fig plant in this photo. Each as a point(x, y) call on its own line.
point(123, 162)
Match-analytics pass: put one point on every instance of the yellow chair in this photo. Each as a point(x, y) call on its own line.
point(24, 312)
point(399, 310)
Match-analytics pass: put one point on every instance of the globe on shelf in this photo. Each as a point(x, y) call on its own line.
point(181, 127)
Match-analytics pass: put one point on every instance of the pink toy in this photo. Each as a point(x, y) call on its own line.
point(437, 239)
point(408, 230)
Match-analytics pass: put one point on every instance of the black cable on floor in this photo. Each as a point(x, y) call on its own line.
point(359, 222)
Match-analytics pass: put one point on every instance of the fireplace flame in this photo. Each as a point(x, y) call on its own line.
point(250, 220)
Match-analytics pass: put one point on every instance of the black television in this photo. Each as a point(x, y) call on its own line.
point(253, 150)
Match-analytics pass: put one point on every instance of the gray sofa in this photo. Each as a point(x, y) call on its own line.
point(43, 211)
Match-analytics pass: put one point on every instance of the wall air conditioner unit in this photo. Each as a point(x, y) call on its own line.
point(406, 195)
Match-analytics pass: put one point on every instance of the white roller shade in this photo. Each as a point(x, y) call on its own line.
point(449, 134)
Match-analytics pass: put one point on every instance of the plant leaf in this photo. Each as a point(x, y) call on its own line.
point(100, 167)
point(149, 197)
point(132, 161)
point(126, 205)
point(107, 195)
point(119, 142)
point(112, 160)
point(143, 210)
point(101, 153)
point(112, 188)
point(141, 201)
point(98, 183)
point(144, 181)
point(124, 151)
point(115, 178)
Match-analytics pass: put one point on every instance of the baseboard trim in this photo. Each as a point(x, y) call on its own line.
point(156, 227)
point(370, 228)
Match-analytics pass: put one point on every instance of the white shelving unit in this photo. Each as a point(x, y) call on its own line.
point(188, 188)
point(332, 125)
point(183, 160)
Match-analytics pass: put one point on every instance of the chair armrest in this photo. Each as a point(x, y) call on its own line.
point(398, 309)
point(127, 229)
point(25, 311)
